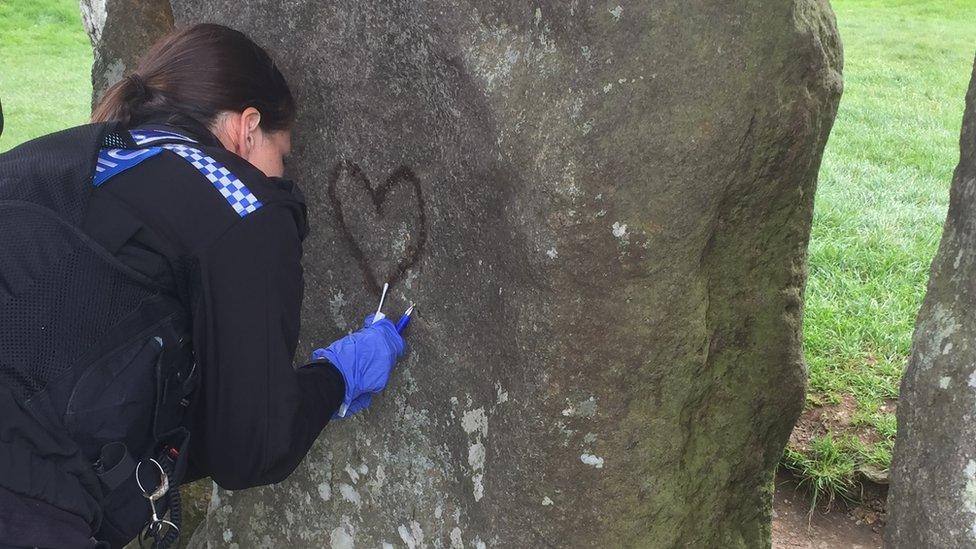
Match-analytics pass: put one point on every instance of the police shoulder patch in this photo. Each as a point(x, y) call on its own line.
point(227, 184)
point(112, 162)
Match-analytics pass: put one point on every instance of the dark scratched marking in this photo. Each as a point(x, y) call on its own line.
point(401, 176)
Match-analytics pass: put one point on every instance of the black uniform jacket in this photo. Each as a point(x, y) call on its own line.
point(255, 415)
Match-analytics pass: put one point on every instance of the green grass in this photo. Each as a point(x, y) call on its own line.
point(827, 470)
point(882, 199)
point(45, 68)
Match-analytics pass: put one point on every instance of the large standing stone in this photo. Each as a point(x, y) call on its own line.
point(932, 501)
point(120, 32)
point(602, 213)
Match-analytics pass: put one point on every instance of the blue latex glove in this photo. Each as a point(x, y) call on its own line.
point(364, 359)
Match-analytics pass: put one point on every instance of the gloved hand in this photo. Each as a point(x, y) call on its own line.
point(364, 359)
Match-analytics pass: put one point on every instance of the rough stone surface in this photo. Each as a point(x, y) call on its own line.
point(121, 31)
point(602, 213)
point(932, 501)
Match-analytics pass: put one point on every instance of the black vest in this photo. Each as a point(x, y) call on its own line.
point(96, 366)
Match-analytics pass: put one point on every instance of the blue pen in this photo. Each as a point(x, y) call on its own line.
point(404, 320)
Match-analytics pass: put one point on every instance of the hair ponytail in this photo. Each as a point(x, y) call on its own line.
point(140, 92)
point(197, 72)
point(123, 101)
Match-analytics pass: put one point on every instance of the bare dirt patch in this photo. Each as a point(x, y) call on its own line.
point(830, 418)
point(842, 525)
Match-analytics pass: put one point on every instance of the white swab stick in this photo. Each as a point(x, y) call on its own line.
point(379, 314)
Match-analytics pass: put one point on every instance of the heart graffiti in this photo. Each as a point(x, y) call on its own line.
point(401, 176)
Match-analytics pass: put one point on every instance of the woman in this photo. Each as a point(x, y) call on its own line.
point(169, 279)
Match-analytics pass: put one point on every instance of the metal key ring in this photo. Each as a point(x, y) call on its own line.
point(158, 524)
point(153, 530)
point(162, 477)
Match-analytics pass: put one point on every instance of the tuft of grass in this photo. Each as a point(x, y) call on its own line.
point(880, 205)
point(826, 470)
point(45, 68)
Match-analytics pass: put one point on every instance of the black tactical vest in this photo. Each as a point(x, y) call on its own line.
point(96, 367)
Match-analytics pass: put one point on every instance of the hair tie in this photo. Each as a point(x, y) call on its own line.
point(139, 88)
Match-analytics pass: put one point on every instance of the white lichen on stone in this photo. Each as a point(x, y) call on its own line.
point(325, 491)
point(353, 474)
point(566, 431)
point(335, 307)
point(412, 275)
point(351, 495)
point(552, 253)
point(402, 239)
point(944, 382)
point(379, 479)
point(344, 535)
point(501, 395)
point(476, 459)
point(619, 229)
point(94, 14)
point(590, 459)
point(114, 72)
point(457, 542)
point(406, 536)
point(476, 456)
point(547, 501)
point(214, 498)
point(228, 535)
point(475, 421)
point(939, 326)
point(617, 12)
point(418, 533)
point(497, 52)
point(969, 491)
point(584, 408)
point(475, 424)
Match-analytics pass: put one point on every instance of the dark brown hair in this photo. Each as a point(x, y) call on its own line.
point(196, 72)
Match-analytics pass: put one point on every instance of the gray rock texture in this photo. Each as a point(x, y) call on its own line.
point(120, 31)
point(932, 500)
point(602, 212)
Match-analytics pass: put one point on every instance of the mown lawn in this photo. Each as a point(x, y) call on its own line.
point(45, 68)
point(880, 205)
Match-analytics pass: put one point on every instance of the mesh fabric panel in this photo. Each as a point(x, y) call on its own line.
point(58, 298)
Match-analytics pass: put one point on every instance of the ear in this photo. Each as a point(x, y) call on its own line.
point(247, 131)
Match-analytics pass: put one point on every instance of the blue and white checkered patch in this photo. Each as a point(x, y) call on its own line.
point(227, 184)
